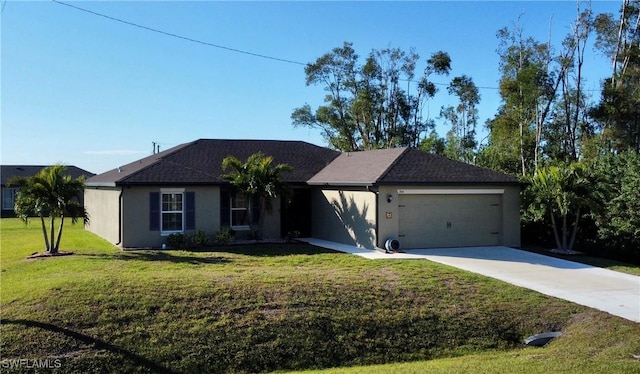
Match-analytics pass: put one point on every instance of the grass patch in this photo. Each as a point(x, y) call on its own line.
point(262, 308)
point(589, 260)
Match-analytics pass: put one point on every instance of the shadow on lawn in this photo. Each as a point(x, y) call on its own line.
point(274, 249)
point(164, 256)
point(97, 343)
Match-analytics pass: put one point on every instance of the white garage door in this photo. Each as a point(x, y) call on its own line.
point(449, 220)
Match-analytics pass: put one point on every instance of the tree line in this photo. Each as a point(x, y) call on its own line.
point(578, 158)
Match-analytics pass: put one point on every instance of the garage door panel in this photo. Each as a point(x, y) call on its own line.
point(427, 221)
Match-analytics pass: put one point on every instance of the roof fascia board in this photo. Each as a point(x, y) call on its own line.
point(100, 184)
point(452, 191)
point(398, 183)
point(338, 184)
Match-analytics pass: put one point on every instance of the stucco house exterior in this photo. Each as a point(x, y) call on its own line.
point(359, 198)
point(7, 172)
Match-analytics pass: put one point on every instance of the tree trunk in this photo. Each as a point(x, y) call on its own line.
point(565, 234)
point(575, 231)
point(52, 249)
point(44, 232)
point(555, 229)
point(57, 247)
point(261, 217)
point(522, 160)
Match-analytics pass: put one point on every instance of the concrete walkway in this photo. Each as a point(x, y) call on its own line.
point(610, 291)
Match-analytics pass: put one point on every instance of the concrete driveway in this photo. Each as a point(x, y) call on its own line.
point(610, 291)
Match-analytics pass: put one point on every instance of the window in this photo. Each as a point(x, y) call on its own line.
point(239, 212)
point(172, 213)
point(8, 198)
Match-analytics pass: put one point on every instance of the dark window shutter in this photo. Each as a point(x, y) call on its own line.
point(255, 206)
point(225, 208)
point(190, 210)
point(154, 211)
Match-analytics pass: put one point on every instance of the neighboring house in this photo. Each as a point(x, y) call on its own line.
point(358, 198)
point(9, 192)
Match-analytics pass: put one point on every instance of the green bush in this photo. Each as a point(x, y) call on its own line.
point(224, 236)
point(177, 241)
point(199, 239)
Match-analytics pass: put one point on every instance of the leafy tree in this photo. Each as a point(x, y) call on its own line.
point(620, 228)
point(463, 119)
point(619, 109)
point(531, 76)
point(433, 144)
point(52, 194)
point(569, 128)
point(258, 179)
point(562, 194)
point(366, 106)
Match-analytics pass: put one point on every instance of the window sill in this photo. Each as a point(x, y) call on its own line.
point(167, 233)
point(240, 228)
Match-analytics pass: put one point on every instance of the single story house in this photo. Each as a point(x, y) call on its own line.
point(7, 172)
point(358, 198)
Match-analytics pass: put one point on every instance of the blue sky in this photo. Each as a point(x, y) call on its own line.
point(88, 91)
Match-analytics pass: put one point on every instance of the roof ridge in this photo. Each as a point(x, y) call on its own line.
point(391, 165)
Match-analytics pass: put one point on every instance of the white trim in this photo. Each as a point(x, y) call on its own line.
point(172, 191)
point(449, 191)
point(232, 197)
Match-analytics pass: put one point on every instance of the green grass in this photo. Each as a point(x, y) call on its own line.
point(282, 307)
point(589, 260)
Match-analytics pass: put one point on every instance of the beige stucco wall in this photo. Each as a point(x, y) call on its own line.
point(271, 229)
point(388, 212)
point(342, 216)
point(103, 206)
point(511, 216)
point(135, 227)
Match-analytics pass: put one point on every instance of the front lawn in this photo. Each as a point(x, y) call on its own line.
point(281, 307)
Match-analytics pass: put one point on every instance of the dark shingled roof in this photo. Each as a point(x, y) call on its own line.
point(9, 171)
point(358, 168)
point(199, 162)
point(415, 166)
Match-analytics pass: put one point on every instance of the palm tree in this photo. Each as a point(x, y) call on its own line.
point(563, 193)
point(257, 179)
point(50, 193)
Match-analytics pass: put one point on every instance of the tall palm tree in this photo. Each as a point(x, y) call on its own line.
point(257, 179)
point(52, 194)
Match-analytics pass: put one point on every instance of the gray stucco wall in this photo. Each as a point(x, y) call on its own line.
point(511, 216)
point(343, 216)
point(102, 204)
point(135, 230)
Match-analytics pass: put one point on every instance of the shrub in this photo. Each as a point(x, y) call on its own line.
point(224, 236)
point(292, 235)
point(177, 241)
point(200, 239)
